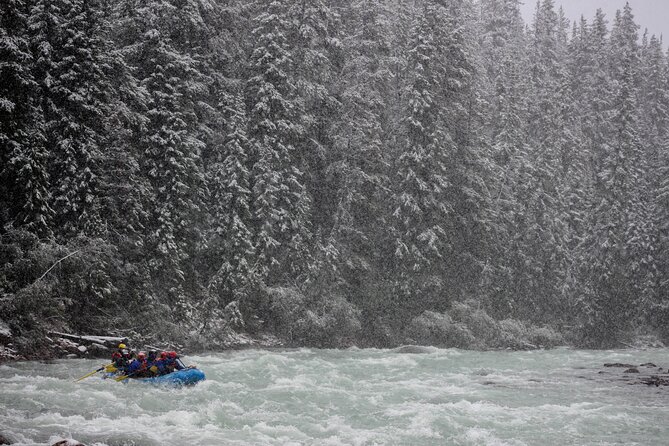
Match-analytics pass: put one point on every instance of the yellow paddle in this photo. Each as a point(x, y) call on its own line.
point(122, 377)
point(153, 368)
point(93, 372)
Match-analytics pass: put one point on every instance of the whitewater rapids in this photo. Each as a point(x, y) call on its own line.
point(346, 397)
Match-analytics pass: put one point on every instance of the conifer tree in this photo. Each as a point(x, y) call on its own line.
point(541, 224)
point(503, 53)
point(314, 39)
point(280, 201)
point(441, 186)
point(654, 134)
point(654, 106)
point(24, 180)
point(169, 138)
point(69, 41)
point(230, 206)
point(422, 212)
point(355, 250)
point(621, 264)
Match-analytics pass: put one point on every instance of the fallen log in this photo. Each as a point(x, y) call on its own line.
point(107, 341)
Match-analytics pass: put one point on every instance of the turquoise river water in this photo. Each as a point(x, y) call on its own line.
point(347, 397)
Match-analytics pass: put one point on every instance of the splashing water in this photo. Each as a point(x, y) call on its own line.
point(342, 397)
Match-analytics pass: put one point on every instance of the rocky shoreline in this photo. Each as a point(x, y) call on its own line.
point(58, 345)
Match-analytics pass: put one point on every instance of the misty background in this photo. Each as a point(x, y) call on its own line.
point(652, 15)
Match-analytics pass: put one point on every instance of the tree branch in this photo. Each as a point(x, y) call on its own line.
point(54, 265)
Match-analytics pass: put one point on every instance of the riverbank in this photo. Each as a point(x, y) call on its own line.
point(58, 345)
point(461, 329)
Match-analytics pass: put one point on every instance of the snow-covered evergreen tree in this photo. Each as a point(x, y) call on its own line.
point(230, 206)
point(280, 200)
point(316, 49)
point(440, 180)
point(67, 36)
point(654, 134)
point(620, 264)
point(169, 72)
point(24, 180)
point(422, 212)
point(504, 62)
point(540, 222)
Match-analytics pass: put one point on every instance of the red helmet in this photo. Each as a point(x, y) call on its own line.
point(141, 355)
point(163, 355)
point(173, 354)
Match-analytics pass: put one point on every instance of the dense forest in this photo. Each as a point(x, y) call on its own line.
point(333, 172)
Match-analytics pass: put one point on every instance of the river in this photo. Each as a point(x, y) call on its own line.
point(347, 397)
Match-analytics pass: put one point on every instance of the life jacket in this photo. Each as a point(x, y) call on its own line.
point(119, 360)
point(170, 364)
point(161, 365)
point(137, 366)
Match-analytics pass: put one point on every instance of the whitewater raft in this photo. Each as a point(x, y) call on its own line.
point(178, 378)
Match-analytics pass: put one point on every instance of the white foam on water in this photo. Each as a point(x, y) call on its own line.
point(351, 397)
point(483, 437)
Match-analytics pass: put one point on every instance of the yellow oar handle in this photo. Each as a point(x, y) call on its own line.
point(121, 378)
point(93, 372)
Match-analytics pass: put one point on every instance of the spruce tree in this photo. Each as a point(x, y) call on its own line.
point(67, 36)
point(541, 222)
point(24, 179)
point(422, 212)
point(280, 200)
point(504, 59)
point(621, 263)
point(654, 134)
point(165, 62)
point(230, 206)
point(314, 39)
point(355, 250)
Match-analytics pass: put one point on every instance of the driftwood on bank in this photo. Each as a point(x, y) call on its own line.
point(107, 341)
point(86, 345)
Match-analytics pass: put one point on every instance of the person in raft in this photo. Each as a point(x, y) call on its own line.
point(118, 358)
point(138, 367)
point(161, 364)
point(122, 357)
point(151, 362)
point(173, 362)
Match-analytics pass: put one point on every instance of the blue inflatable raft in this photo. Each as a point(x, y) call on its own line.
point(185, 377)
point(178, 378)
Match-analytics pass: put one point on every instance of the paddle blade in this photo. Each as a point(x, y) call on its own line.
point(93, 372)
point(121, 378)
point(87, 375)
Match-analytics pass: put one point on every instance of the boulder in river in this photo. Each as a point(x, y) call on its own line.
point(656, 381)
point(413, 349)
point(647, 373)
point(68, 443)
